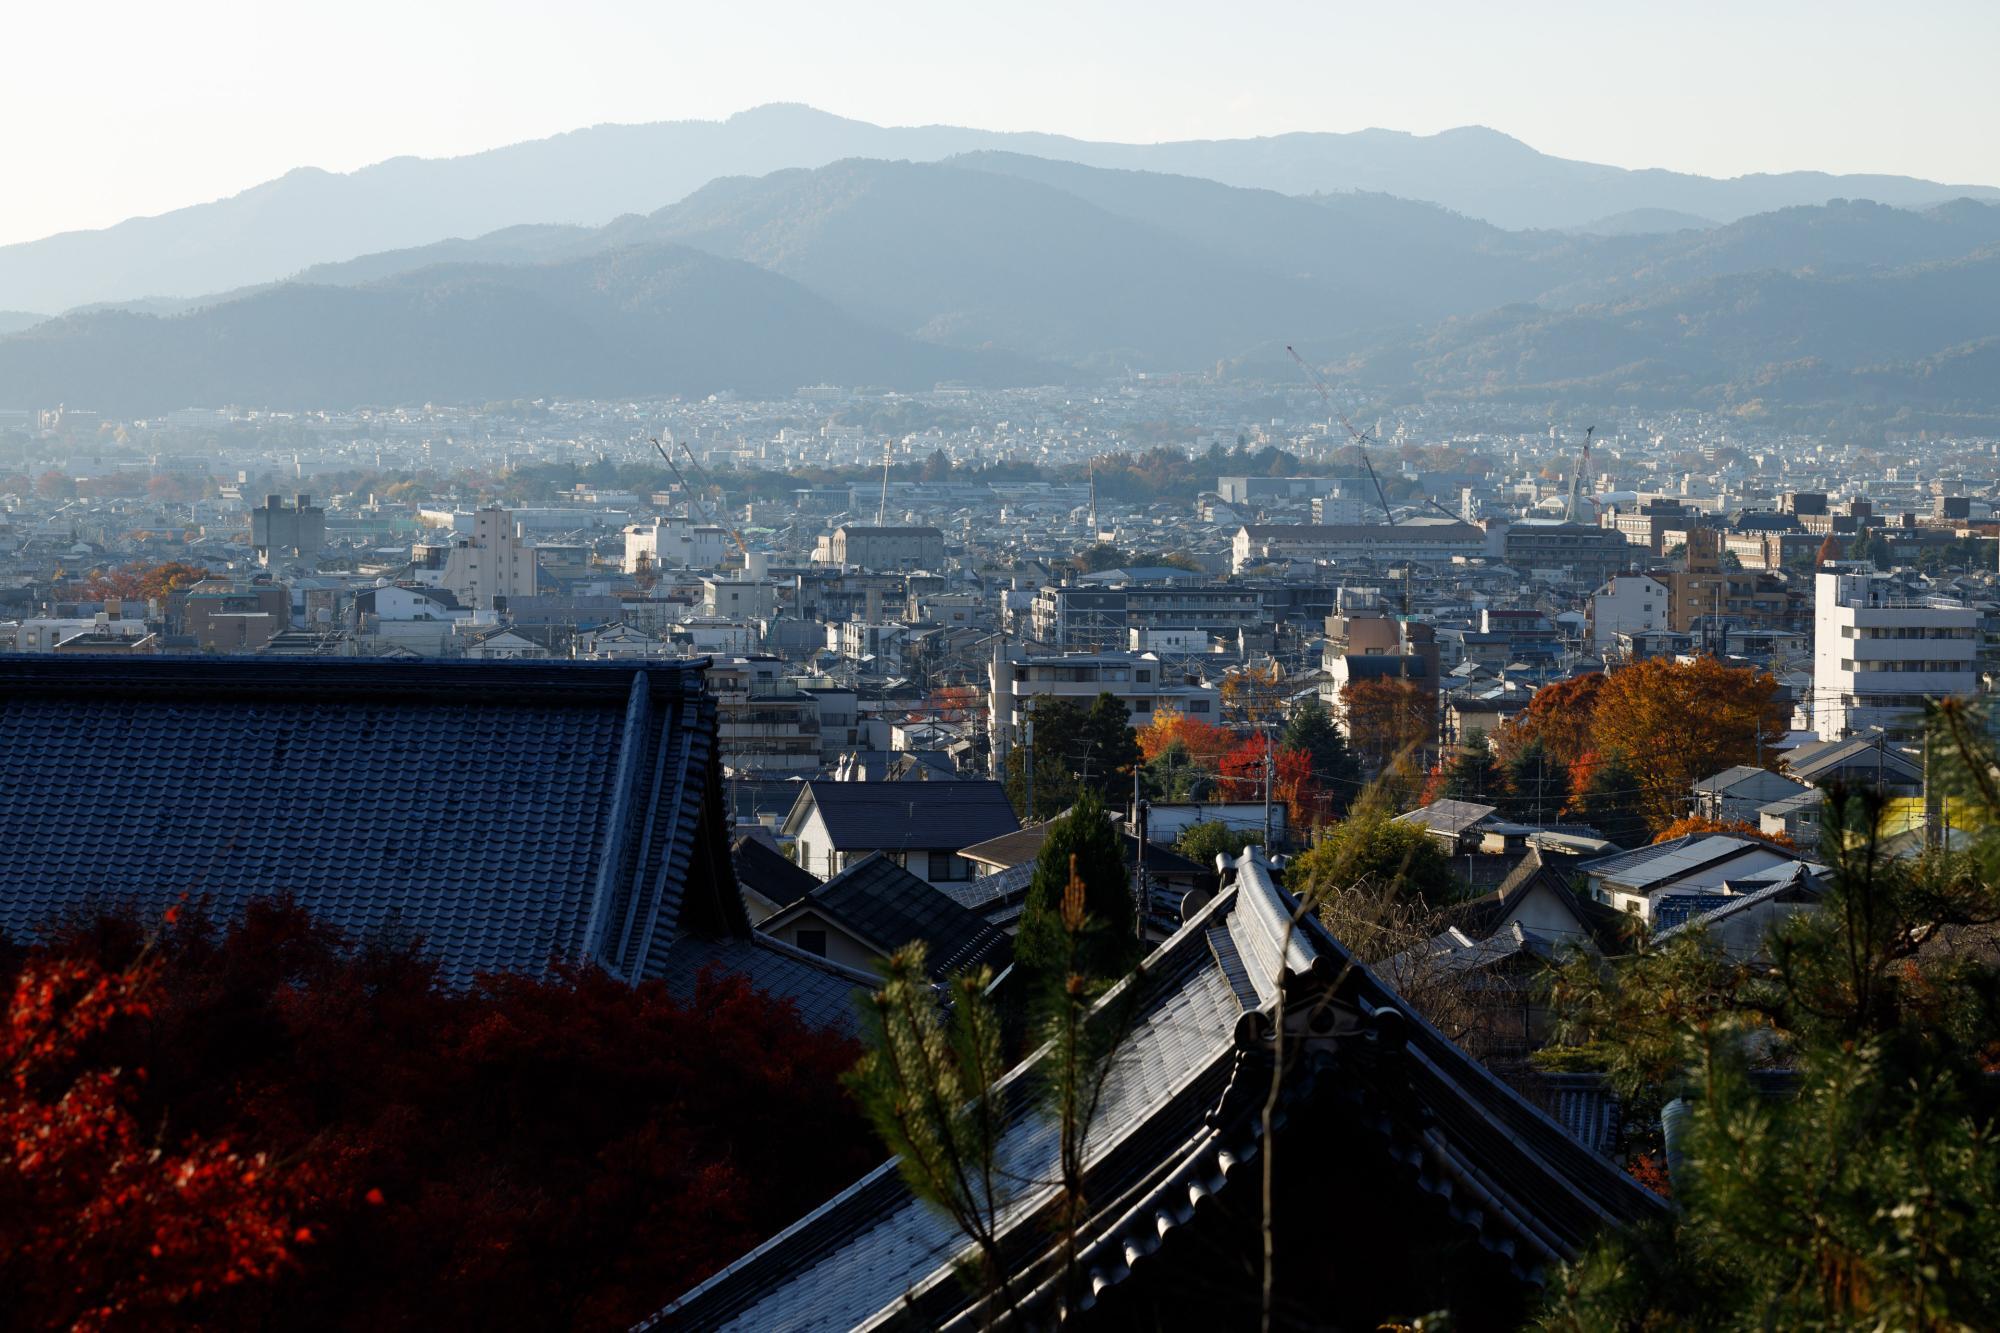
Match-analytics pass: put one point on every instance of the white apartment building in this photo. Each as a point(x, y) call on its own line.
point(1140, 681)
point(675, 543)
point(1879, 654)
point(42, 634)
point(497, 562)
point(1626, 604)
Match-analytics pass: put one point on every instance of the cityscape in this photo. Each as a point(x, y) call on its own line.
point(941, 728)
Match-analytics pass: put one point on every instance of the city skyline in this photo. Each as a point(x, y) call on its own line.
point(183, 110)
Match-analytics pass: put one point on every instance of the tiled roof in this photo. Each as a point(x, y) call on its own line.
point(1180, 1115)
point(1448, 817)
point(866, 816)
point(770, 873)
point(824, 991)
point(889, 907)
point(507, 813)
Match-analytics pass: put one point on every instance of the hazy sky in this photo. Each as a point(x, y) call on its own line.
point(116, 109)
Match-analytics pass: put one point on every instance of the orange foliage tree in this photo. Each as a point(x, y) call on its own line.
point(1681, 828)
point(1205, 742)
point(1560, 716)
point(1674, 723)
point(137, 582)
point(1387, 718)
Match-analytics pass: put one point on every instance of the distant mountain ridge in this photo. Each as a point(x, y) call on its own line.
point(589, 176)
point(633, 322)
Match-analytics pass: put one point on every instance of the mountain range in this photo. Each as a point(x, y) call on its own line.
point(1000, 267)
point(589, 176)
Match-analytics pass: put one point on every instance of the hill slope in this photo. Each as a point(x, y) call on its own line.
point(652, 320)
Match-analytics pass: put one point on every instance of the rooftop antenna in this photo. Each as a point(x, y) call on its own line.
point(1361, 438)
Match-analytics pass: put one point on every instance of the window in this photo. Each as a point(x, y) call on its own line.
point(945, 867)
point(1197, 706)
point(1144, 676)
point(812, 941)
point(1142, 705)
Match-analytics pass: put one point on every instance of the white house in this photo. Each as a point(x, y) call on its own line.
point(1626, 604)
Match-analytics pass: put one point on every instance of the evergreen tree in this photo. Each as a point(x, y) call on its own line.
point(1371, 849)
point(1085, 842)
point(1609, 802)
point(1868, 1196)
point(1059, 740)
point(1474, 773)
point(1334, 768)
point(1539, 783)
point(1203, 842)
point(1109, 750)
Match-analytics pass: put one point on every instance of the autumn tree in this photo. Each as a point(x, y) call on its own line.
point(55, 485)
point(105, 1223)
point(1675, 723)
point(1388, 718)
point(518, 1153)
point(1738, 828)
point(1560, 716)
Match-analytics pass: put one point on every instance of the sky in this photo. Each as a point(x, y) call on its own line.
point(121, 109)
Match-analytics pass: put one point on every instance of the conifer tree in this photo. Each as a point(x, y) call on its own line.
point(1040, 949)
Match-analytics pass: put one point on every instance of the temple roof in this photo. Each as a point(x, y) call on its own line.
point(509, 814)
point(1179, 1128)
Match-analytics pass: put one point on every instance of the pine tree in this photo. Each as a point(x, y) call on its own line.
point(1041, 950)
point(1866, 1196)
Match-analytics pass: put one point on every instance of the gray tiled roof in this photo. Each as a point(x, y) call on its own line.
point(865, 816)
point(1171, 1130)
point(508, 813)
point(889, 907)
point(825, 992)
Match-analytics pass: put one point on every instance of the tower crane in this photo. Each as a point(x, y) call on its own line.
point(1576, 477)
point(1360, 438)
point(668, 459)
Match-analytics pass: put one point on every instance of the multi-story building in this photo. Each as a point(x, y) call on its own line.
point(281, 532)
point(237, 620)
point(1140, 681)
point(674, 543)
point(1879, 654)
point(1707, 593)
point(1419, 540)
point(1625, 604)
point(1587, 555)
point(884, 547)
point(1365, 642)
point(765, 724)
point(1068, 616)
point(1647, 524)
point(496, 563)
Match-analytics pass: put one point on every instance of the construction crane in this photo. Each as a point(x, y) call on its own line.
point(882, 505)
point(1360, 438)
point(1576, 477)
point(693, 497)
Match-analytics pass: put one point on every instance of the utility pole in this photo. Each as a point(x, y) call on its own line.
point(1267, 792)
point(1030, 747)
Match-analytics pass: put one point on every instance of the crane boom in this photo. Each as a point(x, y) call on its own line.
point(668, 459)
point(1360, 439)
point(1576, 476)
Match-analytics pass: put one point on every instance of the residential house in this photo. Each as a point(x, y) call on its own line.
point(923, 826)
